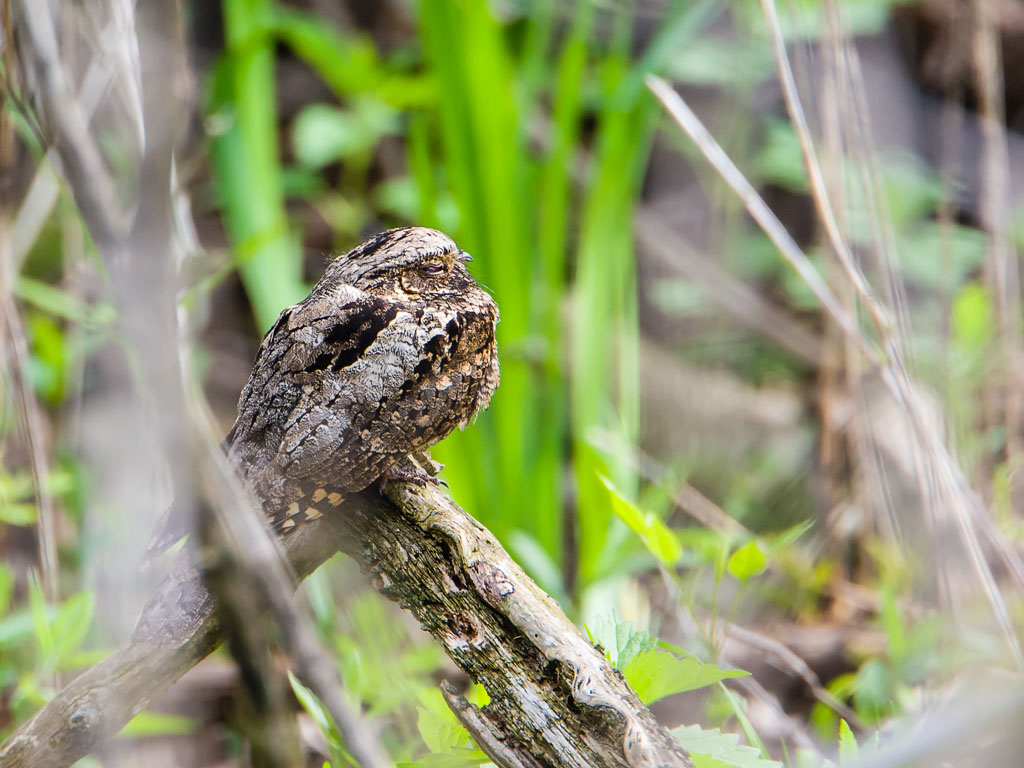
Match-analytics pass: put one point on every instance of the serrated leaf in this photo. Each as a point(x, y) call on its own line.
point(714, 749)
point(659, 540)
point(749, 560)
point(620, 639)
point(439, 733)
point(655, 674)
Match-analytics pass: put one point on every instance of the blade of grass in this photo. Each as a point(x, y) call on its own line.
point(487, 165)
point(246, 165)
point(604, 388)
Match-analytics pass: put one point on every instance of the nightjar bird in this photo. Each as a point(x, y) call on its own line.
point(393, 349)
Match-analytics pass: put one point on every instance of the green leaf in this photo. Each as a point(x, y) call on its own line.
point(323, 134)
point(316, 710)
point(16, 629)
point(40, 616)
point(18, 513)
point(60, 303)
point(655, 674)
point(157, 724)
point(714, 749)
point(439, 733)
point(749, 560)
point(70, 625)
point(6, 587)
point(449, 743)
point(655, 535)
point(620, 639)
point(848, 749)
point(972, 317)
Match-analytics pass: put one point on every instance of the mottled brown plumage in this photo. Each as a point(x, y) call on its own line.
point(393, 349)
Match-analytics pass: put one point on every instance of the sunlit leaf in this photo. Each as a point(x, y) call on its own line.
point(620, 640)
point(714, 749)
point(972, 317)
point(655, 674)
point(749, 560)
point(656, 536)
point(848, 749)
point(18, 513)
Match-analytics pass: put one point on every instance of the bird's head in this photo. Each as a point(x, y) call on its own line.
point(414, 261)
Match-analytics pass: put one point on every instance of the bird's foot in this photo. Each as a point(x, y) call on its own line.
point(427, 463)
point(410, 471)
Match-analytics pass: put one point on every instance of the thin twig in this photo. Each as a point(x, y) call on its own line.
point(759, 211)
point(36, 431)
point(799, 667)
point(42, 193)
point(733, 296)
point(81, 160)
point(942, 483)
point(1002, 270)
point(940, 476)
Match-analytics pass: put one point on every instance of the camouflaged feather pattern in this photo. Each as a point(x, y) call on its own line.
point(392, 350)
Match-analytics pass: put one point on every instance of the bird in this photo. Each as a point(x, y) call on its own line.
point(393, 349)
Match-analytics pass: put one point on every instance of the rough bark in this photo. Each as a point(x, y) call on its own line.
point(555, 700)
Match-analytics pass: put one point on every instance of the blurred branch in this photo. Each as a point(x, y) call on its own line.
point(141, 247)
point(1001, 269)
point(943, 488)
point(745, 304)
point(88, 176)
point(554, 698)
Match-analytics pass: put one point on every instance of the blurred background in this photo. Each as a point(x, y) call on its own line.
point(686, 447)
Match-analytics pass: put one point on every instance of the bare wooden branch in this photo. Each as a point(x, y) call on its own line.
point(555, 699)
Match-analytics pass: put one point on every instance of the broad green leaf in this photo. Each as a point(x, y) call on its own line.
point(620, 639)
point(323, 134)
point(63, 304)
point(656, 536)
point(441, 734)
point(655, 674)
point(449, 743)
point(749, 560)
point(714, 749)
point(460, 758)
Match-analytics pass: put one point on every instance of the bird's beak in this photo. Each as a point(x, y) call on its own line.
point(463, 257)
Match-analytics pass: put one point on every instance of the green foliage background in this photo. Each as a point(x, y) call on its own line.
point(527, 135)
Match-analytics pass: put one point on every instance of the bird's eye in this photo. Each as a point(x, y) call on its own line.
point(433, 269)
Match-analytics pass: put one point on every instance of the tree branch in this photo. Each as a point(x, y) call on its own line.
point(554, 698)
